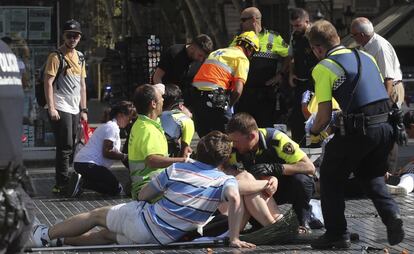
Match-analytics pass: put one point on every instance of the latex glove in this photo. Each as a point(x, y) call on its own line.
point(317, 139)
point(309, 123)
point(229, 110)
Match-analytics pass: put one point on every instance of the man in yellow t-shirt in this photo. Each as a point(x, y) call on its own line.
point(269, 152)
point(147, 145)
point(219, 83)
point(65, 94)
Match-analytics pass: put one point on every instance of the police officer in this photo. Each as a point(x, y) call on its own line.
point(362, 142)
point(299, 70)
point(261, 98)
point(268, 152)
point(14, 202)
point(178, 126)
point(219, 83)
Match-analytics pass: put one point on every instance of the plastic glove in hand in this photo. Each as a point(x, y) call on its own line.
point(317, 139)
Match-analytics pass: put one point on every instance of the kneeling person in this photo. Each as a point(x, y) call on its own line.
point(93, 161)
point(269, 152)
point(176, 122)
point(191, 194)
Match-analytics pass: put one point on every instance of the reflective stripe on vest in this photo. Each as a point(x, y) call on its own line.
point(206, 86)
point(266, 52)
point(270, 42)
point(222, 65)
point(338, 71)
point(370, 86)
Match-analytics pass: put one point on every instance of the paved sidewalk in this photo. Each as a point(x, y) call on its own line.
point(361, 215)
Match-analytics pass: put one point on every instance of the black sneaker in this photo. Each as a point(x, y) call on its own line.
point(395, 231)
point(73, 188)
point(324, 242)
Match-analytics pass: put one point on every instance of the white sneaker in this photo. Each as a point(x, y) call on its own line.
point(397, 190)
point(40, 235)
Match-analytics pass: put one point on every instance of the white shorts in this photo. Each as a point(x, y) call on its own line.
point(125, 220)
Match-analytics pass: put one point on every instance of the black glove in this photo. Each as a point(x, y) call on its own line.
point(396, 121)
point(401, 135)
point(267, 169)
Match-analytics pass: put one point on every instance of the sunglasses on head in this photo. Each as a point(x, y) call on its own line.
point(72, 35)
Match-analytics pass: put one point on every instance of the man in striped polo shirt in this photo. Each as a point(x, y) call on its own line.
point(191, 194)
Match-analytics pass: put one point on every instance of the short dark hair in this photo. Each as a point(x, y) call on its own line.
point(204, 42)
point(243, 123)
point(408, 119)
point(298, 13)
point(323, 33)
point(123, 107)
point(143, 97)
point(172, 96)
point(214, 148)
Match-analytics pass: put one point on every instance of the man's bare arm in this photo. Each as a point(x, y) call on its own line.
point(304, 166)
point(148, 193)
point(48, 85)
point(237, 92)
point(158, 75)
point(159, 161)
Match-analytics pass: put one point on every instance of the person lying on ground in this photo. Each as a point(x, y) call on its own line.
point(191, 193)
point(406, 173)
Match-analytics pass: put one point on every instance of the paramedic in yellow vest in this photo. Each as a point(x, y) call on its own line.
point(147, 145)
point(219, 83)
point(260, 96)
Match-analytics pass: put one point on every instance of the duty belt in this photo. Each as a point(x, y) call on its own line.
point(357, 123)
point(368, 120)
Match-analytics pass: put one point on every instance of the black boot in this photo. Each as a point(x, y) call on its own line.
point(395, 231)
point(326, 242)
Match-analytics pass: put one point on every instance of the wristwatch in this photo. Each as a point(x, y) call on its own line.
point(84, 110)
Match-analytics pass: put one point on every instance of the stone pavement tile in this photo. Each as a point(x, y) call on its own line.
point(361, 216)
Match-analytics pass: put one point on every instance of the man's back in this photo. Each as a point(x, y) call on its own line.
point(222, 66)
point(192, 192)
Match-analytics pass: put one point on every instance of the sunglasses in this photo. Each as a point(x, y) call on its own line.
point(245, 19)
point(72, 35)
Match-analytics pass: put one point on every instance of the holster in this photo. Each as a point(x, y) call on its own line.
point(217, 98)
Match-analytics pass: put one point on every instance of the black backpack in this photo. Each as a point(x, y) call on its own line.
point(40, 87)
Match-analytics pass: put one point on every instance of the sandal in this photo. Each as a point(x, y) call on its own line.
point(278, 218)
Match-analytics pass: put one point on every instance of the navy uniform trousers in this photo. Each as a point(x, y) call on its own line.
point(366, 156)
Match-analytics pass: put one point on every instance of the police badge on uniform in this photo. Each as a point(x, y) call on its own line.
point(288, 148)
point(269, 46)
